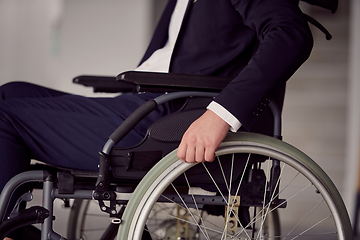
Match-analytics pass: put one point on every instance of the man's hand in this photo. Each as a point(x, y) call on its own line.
point(202, 138)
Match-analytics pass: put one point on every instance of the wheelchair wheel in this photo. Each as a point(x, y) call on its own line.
point(272, 184)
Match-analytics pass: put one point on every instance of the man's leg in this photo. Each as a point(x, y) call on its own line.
point(26, 90)
point(62, 129)
point(21, 90)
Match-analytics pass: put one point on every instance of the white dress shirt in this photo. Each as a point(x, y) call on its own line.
point(159, 61)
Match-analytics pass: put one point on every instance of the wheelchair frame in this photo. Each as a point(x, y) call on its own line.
point(101, 191)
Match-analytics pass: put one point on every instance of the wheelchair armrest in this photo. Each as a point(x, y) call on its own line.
point(105, 84)
point(171, 82)
point(133, 81)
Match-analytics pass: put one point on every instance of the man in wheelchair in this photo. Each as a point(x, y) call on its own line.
point(259, 44)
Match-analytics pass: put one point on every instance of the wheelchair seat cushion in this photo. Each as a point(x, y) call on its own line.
point(172, 127)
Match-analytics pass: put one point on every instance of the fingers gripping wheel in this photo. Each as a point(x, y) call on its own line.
point(299, 197)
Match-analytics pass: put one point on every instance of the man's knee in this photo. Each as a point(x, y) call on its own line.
point(15, 90)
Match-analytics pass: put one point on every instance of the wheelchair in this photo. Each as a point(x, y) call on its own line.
point(258, 187)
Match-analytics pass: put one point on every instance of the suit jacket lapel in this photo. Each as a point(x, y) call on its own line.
point(190, 3)
point(160, 36)
point(183, 25)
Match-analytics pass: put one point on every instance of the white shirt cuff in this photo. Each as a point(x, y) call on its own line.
point(225, 115)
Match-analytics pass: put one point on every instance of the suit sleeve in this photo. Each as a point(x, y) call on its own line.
point(285, 43)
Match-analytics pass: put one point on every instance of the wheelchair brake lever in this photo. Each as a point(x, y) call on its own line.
point(102, 181)
point(101, 192)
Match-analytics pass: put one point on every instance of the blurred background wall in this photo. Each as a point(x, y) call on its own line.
point(51, 41)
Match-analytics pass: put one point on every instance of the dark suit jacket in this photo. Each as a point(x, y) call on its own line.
point(260, 43)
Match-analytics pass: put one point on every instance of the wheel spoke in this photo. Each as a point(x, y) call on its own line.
point(302, 220)
point(197, 209)
point(187, 208)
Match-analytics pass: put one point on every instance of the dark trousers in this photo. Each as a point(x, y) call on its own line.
point(61, 129)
